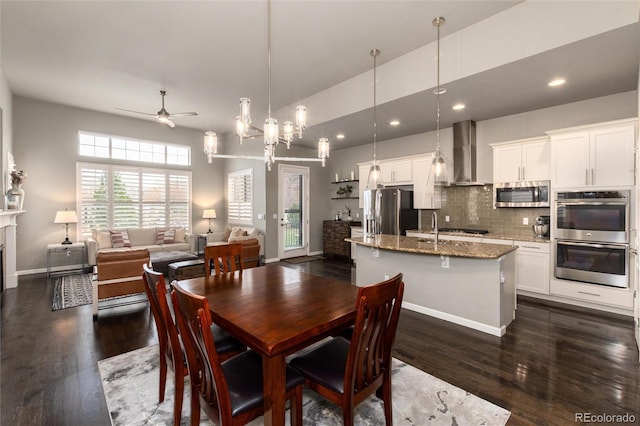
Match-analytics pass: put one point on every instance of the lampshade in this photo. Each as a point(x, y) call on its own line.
point(66, 216)
point(209, 214)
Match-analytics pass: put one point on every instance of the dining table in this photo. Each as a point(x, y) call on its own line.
point(276, 311)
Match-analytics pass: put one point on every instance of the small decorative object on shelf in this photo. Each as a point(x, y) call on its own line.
point(15, 194)
point(348, 211)
point(353, 175)
point(345, 191)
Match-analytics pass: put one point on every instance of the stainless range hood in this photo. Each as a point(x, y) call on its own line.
point(464, 154)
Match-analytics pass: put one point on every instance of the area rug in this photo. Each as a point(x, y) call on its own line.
point(302, 259)
point(72, 290)
point(130, 384)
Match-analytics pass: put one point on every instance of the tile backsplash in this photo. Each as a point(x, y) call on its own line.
point(472, 207)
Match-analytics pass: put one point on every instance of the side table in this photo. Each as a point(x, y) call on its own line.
point(201, 243)
point(54, 250)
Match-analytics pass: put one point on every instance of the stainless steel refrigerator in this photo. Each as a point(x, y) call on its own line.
point(389, 211)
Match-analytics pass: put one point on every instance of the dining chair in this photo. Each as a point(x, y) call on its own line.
point(225, 258)
point(346, 372)
point(230, 392)
point(170, 346)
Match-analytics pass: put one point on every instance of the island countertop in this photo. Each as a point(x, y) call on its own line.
point(426, 246)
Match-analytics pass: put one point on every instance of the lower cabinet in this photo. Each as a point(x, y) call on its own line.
point(356, 232)
point(532, 266)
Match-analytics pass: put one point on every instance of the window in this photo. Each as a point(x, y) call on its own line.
point(240, 197)
point(119, 148)
point(116, 197)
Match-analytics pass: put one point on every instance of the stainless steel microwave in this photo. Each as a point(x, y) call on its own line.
point(521, 194)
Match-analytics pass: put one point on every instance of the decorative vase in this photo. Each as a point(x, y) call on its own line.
point(15, 197)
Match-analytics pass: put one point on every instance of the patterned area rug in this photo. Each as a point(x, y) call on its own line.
point(72, 290)
point(130, 383)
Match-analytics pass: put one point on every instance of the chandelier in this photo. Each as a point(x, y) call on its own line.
point(271, 130)
point(438, 165)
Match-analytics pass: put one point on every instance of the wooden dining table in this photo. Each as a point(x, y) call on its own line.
point(276, 311)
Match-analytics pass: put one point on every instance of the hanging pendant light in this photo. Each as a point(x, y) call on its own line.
point(374, 179)
point(438, 165)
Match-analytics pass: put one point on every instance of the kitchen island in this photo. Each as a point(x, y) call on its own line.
point(467, 283)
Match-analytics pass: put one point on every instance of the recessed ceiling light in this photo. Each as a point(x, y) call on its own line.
point(340, 136)
point(458, 107)
point(394, 123)
point(557, 82)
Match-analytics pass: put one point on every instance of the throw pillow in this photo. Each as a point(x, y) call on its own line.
point(119, 239)
point(227, 234)
point(103, 238)
point(238, 232)
point(180, 235)
point(169, 236)
point(160, 233)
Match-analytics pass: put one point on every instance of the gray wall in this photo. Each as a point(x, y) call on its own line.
point(45, 146)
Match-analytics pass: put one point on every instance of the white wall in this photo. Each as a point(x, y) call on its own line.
point(45, 146)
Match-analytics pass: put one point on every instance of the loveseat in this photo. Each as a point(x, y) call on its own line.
point(152, 239)
point(238, 233)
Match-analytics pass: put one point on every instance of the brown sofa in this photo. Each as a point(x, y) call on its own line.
point(118, 274)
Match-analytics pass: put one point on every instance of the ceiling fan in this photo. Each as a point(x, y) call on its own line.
point(163, 115)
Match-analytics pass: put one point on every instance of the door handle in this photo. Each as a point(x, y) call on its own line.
point(593, 177)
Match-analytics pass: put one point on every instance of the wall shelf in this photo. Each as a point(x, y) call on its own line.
point(345, 181)
point(344, 198)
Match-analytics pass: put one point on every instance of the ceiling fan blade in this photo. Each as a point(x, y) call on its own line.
point(170, 124)
point(138, 112)
point(183, 114)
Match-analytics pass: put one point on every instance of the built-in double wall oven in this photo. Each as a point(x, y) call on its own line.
point(592, 237)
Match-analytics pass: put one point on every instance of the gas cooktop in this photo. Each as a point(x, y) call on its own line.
point(465, 230)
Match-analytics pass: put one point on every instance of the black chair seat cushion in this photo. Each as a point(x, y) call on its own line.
point(225, 342)
point(326, 364)
point(244, 380)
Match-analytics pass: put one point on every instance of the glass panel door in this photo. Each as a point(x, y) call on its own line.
point(293, 217)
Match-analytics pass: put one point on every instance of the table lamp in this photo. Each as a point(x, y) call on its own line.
point(66, 217)
point(209, 214)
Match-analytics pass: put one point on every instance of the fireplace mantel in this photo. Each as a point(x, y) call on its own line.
point(8, 233)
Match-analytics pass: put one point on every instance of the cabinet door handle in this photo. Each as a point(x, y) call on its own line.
point(586, 176)
point(523, 173)
point(530, 247)
point(593, 176)
point(588, 294)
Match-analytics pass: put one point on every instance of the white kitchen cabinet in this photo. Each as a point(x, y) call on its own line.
point(596, 156)
point(363, 173)
point(396, 172)
point(526, 159)
point(600, 294)
point(356, 232)
point(425, 194)
point(532, 266)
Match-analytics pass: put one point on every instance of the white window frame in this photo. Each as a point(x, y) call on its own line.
point(124, 148)
point(240, 197)
point(84, 230)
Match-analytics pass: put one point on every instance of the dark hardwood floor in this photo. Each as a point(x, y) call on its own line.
point(554, 361)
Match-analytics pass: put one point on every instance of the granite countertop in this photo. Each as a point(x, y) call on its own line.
point(495, 235)
point(425, 246)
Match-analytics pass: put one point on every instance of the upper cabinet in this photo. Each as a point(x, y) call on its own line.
point(594, 156)
point(413, 170)
point(396, 172)
point(425, 195)
point(525, 159)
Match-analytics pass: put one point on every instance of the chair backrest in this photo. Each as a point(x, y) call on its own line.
point(194, 322)
point(155, 286)
point(225, 258)
point(377, 313)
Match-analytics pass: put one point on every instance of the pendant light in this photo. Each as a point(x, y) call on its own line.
point(270, 131)
point(374, 171)
point(438, 165)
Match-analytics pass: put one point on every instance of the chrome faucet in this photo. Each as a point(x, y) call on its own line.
point(434, 225)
